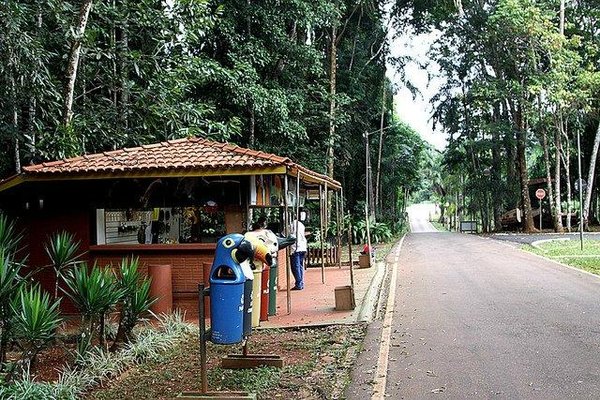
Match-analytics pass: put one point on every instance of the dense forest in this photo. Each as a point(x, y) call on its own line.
point(520, 96)
point(305, 79)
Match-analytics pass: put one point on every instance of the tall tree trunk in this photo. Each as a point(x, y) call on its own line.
point(557, 186)
point(252, 116)
point(252, 128)
point(15, 125)
point(496, 177)
point(591, 174)
point(561, 23)
point(496, 173)
point(31, 139)
point(528, 225)
point(511, 173)
point(381, 123)
point(547, 165)
point(593, 214)
point(113, 87)
point(332, 103)
point(31, 134)
point(124, 74)
point(17, 145)
point(73, 61)
point(566, 159)
point(549, 181)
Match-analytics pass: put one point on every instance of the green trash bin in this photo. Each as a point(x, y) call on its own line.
point(256, 284)
point(273, 288)
point(282, 243)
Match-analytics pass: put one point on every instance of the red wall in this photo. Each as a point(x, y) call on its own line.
point(37, 229)
point(190, 263)
point(190, 266)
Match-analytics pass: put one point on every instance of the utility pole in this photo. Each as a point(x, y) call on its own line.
point(580, 190)
point(368, 177)
point(367, 173)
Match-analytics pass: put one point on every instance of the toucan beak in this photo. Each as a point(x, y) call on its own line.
point(244, 251)
point(261, 253)
point(284, 242)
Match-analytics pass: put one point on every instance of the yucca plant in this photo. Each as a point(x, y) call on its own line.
point(94, 292)
point(9, 237)
point(10, 282)
point(63, 251)
point(83, 348)
point(136, 298)
point(35, 319)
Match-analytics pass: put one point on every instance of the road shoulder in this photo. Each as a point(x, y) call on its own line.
point(368, 366)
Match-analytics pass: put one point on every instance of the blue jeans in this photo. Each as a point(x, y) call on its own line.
point(297, 259)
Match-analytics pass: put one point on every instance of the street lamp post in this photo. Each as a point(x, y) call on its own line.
point(369, 203)
point(368, 177)
point(580, 191)
point(368, 172)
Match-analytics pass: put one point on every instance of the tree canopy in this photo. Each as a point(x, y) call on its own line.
point(303, 79)
point(521, 86)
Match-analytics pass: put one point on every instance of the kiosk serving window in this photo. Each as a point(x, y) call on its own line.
point(167, 225)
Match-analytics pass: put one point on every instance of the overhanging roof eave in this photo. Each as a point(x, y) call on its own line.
point(313, 177)
point(187, 173)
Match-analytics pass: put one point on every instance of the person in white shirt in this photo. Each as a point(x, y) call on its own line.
point(298, 251)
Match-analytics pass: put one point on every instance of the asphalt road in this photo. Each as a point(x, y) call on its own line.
point(477, 318)
point(419, 215)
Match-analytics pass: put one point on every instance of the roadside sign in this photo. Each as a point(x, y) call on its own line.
point(540, 193)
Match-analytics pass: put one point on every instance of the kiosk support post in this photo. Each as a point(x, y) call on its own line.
point(203, 335)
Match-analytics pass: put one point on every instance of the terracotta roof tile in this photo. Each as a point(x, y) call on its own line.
point(179, 154)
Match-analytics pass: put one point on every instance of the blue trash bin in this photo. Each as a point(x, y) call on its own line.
point(227, 303)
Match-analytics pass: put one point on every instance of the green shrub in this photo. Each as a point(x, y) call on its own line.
point(380, 232)
point(10, 282)
point(174, 324)
point(26, 388)
point(63, 251)
point(135, 299)
point(94, 292)
point(9, 237)
point(147, 344)
point(34, 322)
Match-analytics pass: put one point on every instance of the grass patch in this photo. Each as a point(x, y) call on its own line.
point(569, 252)
point(150, 345)
point(317, 364)
point(439, 226)
point(383, 249)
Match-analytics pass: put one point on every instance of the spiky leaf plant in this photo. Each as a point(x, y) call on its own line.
point(136, 298)
point(9, 237)
point(64, 253)
point(10, 282)
point(94, 292)
point(35, 319)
